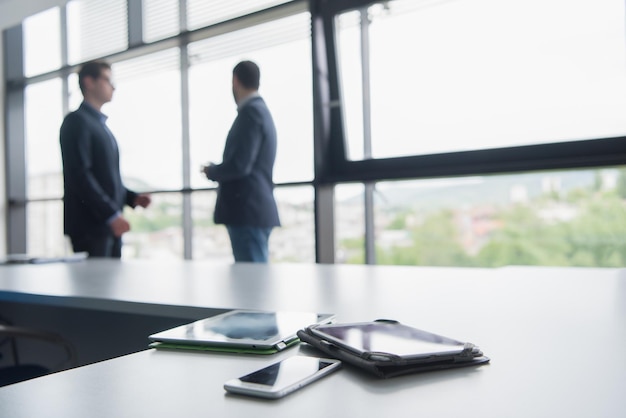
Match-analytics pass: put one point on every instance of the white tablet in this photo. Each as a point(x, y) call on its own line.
point(245, 329)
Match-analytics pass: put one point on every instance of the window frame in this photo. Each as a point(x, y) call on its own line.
point(331, 164)
point(335, 166)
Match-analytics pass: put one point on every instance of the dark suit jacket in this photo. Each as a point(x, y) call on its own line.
point(245, 195)
point(91, 172)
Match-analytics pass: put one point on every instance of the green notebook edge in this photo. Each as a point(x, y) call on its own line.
point(219, 349)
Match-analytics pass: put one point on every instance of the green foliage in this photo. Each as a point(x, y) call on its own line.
point(594, 237)
point(523, 240)
point(621, 183)
point(159, 216)
point(597, 181)
point(435, 243)
point(398, 223)
point(355, 249)
point(597, 238)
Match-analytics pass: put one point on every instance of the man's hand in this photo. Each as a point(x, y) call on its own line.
point(120, 226)
point(205, 170)
point(143, 200)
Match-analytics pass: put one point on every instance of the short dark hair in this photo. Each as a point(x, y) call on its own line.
point(248, 74)
point(91, 69)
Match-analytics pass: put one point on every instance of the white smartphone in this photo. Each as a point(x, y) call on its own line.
point(283, 377)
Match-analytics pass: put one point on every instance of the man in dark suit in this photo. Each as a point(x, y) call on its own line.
point(245, 197)
point(94, 193)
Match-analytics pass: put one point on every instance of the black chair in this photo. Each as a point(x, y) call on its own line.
point(19, 371)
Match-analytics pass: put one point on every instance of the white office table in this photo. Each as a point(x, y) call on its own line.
point(556, 337)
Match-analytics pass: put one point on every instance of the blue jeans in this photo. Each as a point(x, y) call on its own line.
point(249, 243)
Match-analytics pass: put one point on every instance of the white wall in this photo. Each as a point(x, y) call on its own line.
point(12, 12)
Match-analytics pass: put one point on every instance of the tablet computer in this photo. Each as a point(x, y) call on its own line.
point(388, 348)
point(390, 340)
point(242, 331)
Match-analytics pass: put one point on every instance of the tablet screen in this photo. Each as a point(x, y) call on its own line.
point(392, 338)
point(242, 327)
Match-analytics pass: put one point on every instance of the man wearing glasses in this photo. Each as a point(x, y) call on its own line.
point(94, 193)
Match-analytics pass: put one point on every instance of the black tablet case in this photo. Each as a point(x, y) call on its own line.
point(392, 365)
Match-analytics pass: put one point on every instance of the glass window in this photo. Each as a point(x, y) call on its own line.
point(156, 232)
point(350, 224)
point(96, 28)
point(286, 89)
point(75, 95)
point(44, 230)
point(207, 12)
point(43, 118)
point(560, 218)
point(160, 19)
point(294, 241)
point(42, 42)
point(349, 58)
point(145, 116)
point(210, 241)
point(483, 74)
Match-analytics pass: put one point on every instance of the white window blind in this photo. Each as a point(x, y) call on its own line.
point(96, 28)
point(262, 36)
point(159, 62)
point(42, 42)
point(202, 13)
point(160, 19)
